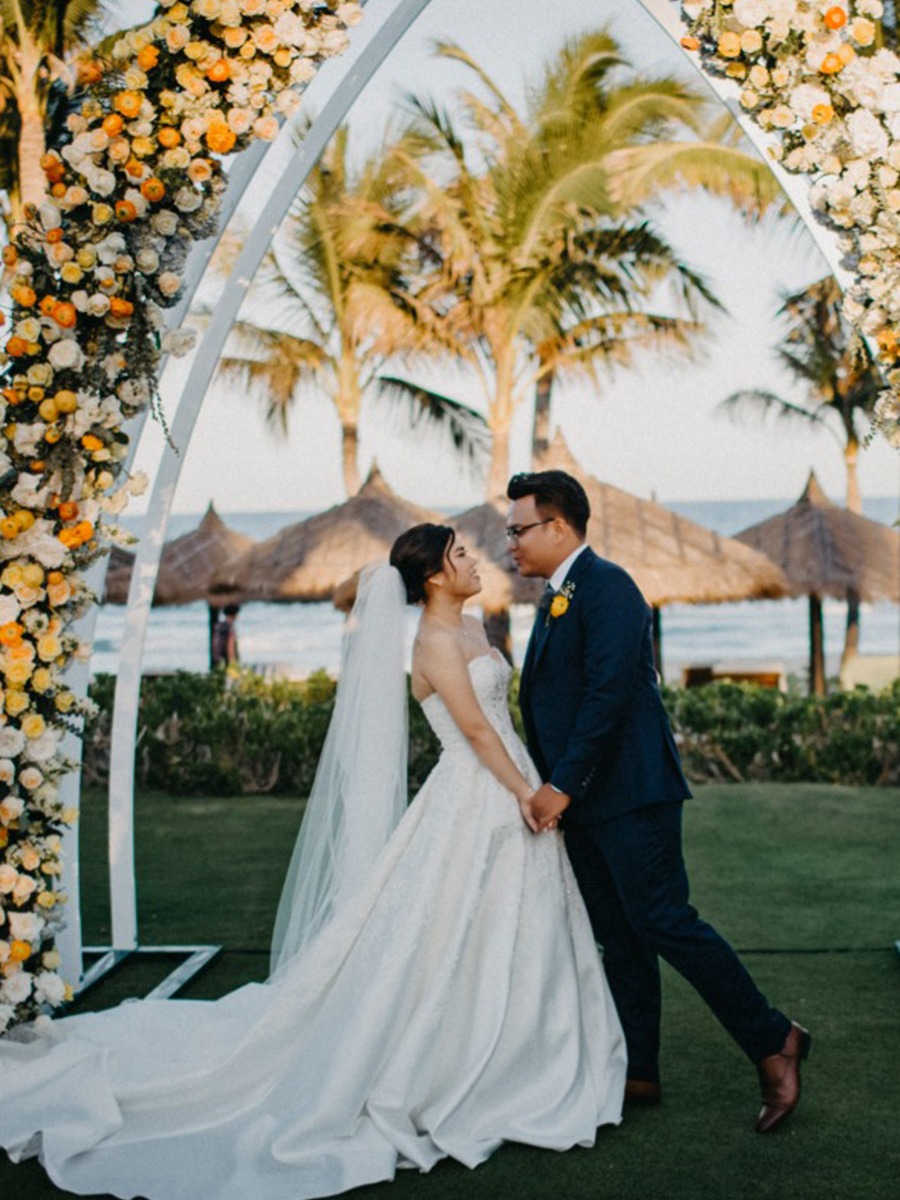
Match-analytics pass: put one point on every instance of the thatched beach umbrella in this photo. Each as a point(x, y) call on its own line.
point(187, 565)
point(186, 568)
point(309, 560)
point(671, 558)
point(825, 550)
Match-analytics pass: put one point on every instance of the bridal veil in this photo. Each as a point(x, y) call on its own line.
point(360, 789)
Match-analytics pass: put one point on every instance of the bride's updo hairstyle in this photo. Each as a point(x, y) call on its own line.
point(418, 554)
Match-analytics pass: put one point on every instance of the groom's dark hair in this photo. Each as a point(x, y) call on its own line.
point(556, 494)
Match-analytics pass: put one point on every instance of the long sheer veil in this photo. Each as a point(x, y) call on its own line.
point(360, 789)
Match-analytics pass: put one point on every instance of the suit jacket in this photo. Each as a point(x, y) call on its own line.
point(590, 700)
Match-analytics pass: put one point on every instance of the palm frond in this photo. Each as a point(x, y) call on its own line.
point(466, 428)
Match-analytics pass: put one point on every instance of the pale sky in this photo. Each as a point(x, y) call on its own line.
point(652, 431)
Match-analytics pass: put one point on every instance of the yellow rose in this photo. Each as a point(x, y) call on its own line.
point(18, 673)
point(16, 702)
point(12, 575)
point(51, 959)
point(751, 41)
point(862, 32)
point(46, 899)
point(729, 45)
point(64, 701)
point(559, 605)
point(49, 647)
point(33, 574)
point(69, 816)
point(33, 725)
point(42, 680)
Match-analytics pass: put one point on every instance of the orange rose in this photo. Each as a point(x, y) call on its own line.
point(68, 510)
point(19, 951)
point(10, 256)
point(70, 538)
point(220, 138)
point(219, 71)
point(16, 347)
point(822, 114)
point(835, 18)
point(125, 211)
point(24, 295)
point(831, 64)
point(153, 190)
point(128, 104)
point(90, 441)
point(47, 305)
point(89, 72)
point(148, 58)
point(119, 307)
point(113, 125)
point(10, 633)
point(55, 235)
point(9, 529)
point(169, 137)
point(690, 43)
point(65, 314)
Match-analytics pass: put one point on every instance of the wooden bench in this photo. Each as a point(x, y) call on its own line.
point(769, 673)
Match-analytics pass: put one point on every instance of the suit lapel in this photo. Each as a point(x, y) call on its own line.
point(540, 634)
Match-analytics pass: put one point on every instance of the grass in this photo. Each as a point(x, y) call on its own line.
point(802, 878)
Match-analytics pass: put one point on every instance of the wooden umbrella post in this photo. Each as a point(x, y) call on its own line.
point(816, 646)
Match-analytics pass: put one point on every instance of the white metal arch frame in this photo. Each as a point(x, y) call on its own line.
point(394, 24)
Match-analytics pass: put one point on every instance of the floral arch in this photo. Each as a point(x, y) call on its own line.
point(104, 270)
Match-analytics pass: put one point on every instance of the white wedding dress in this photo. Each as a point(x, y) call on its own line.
point(454, 1002)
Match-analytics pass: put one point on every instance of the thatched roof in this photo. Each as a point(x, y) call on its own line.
point(187, 565)
point(308, 561)
point(672, 559)
point(825, 550)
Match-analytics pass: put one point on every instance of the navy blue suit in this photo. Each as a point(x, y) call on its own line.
point(598, 731)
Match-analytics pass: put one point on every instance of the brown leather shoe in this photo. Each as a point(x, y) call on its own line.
point(779, 1079)
point(642, 1091)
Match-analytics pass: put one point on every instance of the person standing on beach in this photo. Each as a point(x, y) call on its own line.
point(599, 735)
point(224, 638)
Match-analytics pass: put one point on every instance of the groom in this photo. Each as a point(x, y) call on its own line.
point(599, 735)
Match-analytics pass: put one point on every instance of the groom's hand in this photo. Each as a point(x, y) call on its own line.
point(547, 806)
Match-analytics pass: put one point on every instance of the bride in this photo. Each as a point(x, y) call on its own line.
point(435, 991)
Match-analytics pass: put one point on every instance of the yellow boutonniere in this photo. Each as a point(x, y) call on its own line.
point(559, 605)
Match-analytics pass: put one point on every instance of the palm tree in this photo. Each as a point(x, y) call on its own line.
point(339, 277)
point(539, 273)
point(842, 383)
point(37, 39)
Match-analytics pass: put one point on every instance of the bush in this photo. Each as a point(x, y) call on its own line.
point(226, 733)
point(746, 732)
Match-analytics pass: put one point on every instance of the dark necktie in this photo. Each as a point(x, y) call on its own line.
point(546, 600)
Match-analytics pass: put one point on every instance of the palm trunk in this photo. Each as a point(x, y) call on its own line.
point(32, 183)
point(816, 647)
point(540, 433)
point(854, 504)
point(349, 457)
point(500, 418)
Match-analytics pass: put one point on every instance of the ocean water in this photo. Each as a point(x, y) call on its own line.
point(295, 639)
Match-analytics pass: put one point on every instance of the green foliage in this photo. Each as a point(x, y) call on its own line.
point(227, 733)
point(745, 732)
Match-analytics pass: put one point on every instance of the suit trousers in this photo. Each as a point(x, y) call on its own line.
point(631, 873)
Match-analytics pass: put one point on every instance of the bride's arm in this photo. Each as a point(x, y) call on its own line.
point(443, 665)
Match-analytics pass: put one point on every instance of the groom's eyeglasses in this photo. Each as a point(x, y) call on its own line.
point(514, 532)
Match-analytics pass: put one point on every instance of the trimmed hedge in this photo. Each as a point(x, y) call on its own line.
point(227, 733)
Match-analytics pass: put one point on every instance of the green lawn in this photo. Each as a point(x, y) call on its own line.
point(803, 879)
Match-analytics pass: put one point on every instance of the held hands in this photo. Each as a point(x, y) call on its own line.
point(543, 809)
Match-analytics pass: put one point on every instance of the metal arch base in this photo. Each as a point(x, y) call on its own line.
point(401, 17)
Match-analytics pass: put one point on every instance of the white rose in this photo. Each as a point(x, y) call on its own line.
point(169, 283)
point(41, 542)
point(803, 99)
point(24, 889)
point(50, 215)
point(7, 1014)
point(12, 807)
point(49, 989)
point(42, 748)
point(9, 608)
point(31, 778)
point(16, 988)
point(25, 926)
point(187, 199)
point(12, 741)
point(102, 182)
point(868, 136)
point(25, 440)
point(66, 355)
point(750, 13)
point(98, 305)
